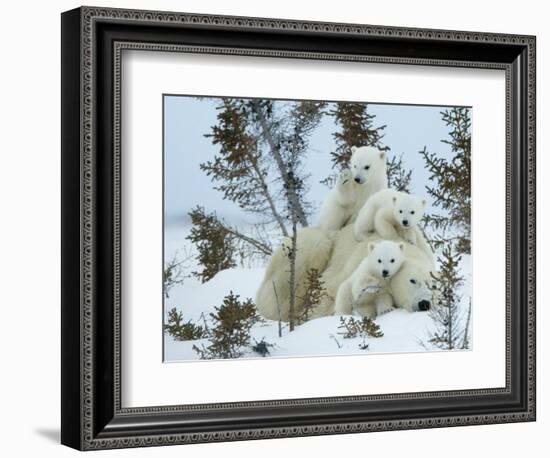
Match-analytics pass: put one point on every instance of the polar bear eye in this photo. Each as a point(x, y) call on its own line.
point(400, 211)
point(413, 281)
point(380, 261)
point(393, 260)
point(412, 212)
point(366, 167)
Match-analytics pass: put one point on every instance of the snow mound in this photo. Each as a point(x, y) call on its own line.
point(194, 298)
point(403, 331)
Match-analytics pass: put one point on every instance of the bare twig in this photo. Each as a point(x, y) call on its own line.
point(292, 259)
point(174, 273)
point(333, 337)
point(466, 338)
point(262, 247)
point(269, 198)
point(280, 328)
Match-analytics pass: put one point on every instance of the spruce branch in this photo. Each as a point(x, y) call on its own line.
point(451, 191)
point(180, 330)
point(217, 243)
point(357, 128)
point(175, 272)
point(267, 134)
point(239, 168)
point(399, 178)
point(215, 246)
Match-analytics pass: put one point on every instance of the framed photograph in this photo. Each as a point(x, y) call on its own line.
point(276, 228)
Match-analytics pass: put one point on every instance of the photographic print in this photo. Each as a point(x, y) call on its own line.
point(300, 228)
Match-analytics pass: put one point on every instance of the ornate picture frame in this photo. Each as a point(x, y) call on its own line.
point(93, 416)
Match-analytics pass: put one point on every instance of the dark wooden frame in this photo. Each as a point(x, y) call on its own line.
point(92, 42)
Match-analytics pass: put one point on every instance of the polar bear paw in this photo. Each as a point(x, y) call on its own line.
point(410, 239)
point(343, 178)
point(383, 308)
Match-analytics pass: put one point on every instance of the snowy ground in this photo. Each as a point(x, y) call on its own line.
point(403, 331)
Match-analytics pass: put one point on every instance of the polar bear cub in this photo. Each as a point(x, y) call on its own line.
point(390, 213)
point(365, 176)
point(370, 279)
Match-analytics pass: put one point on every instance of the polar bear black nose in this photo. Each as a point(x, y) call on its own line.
point(385, 273)
point(424, 305)
point(357, 180)
point(405, 222)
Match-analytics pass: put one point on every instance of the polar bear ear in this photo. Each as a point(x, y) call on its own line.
point(401, 246)
point(371, 246)
point(423, 202)
point(353, 149)
point(382, 154)
point(394, 199)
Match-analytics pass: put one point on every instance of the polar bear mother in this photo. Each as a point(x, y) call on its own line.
point(337, 258)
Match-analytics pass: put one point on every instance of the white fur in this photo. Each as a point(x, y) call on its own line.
point(365, 176)
point(313, 251)
point(346, 256)
point(392, 214)
point(385, 258)
point(370, 279)
point(337, 259)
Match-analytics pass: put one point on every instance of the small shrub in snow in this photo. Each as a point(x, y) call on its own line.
point(229, 334)
point(357, 327)
point(180, 330)
point(350, 328)
point(315, 291)
point(448, 333)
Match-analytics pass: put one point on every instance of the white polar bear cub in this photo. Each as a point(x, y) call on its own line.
point(391, 214)
point(365, 176)
point(370, 278)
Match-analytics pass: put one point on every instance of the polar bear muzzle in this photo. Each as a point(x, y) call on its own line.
point(424, 305)
point(423, 300)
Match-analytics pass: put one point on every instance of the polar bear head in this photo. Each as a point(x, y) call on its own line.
point(385, 258)
point(366, 162)
point(411, 287)
point(408, 209)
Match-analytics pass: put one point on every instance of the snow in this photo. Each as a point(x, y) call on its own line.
point(321, 337)
point(194, 298)
point(404, 332)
